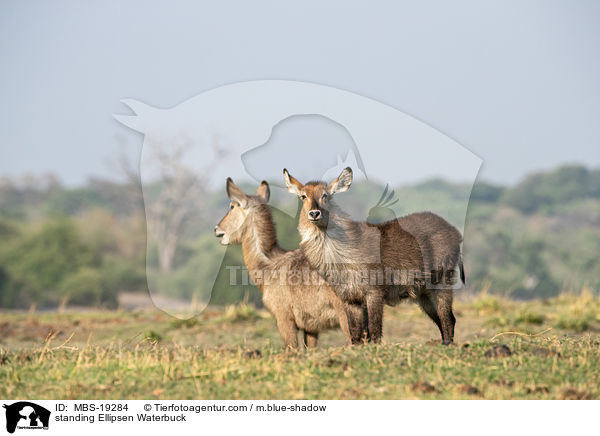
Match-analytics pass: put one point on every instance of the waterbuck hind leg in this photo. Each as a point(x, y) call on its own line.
point(365, 335)
point(374, 300)
point(310, 339)
point(356, 321)
point(288, 331)
point(444, 310)
point(427, 302)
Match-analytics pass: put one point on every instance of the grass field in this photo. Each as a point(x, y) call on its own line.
point(504, 350)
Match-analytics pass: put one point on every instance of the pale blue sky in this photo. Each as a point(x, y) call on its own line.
point(515, 82)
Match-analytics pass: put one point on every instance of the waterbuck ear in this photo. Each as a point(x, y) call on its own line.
point(236, 194)
point(263, 191)
point(342, 183)
point(293, 185)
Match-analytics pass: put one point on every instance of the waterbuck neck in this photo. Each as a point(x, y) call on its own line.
point(336, 244)
point(258, 238)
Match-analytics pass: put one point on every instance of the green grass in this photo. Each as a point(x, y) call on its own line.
point(236, 353)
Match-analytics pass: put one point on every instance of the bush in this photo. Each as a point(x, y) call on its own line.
point(153, 336)
point(87, 287)
point(123, 275)
point(240, 313)
point(570, 322)
point(578, 311)
point(36, 263)
point(526, 316)
point(487, 304)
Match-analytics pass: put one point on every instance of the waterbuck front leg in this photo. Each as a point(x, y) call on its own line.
point(288, 331)
point(374, 300)
point(340, 310)
point(356, 321)
point(310, 339)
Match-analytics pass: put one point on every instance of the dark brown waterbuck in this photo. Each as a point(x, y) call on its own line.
point(295, 295)
point(369, 265)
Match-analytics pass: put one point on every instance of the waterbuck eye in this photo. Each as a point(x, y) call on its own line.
point(303, 197)
point(231, 207)
point(324, 196)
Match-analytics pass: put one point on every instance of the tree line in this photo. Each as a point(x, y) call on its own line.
point(83, 246)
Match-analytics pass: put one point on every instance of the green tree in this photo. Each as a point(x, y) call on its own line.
point(37, 263)
point(544, 191)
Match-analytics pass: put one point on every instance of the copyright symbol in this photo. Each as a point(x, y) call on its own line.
point(147, 407)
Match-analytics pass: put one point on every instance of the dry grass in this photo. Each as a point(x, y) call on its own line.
point(236, 353)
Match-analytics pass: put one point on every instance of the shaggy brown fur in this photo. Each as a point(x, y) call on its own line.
point(296, 296)
point(440, 244)
point(408, 248)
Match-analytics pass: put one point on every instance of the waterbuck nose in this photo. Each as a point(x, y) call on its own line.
point(314, 214)
point(218, 232)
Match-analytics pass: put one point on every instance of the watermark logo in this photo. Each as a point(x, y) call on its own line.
point(250, 131)
point(25, 415)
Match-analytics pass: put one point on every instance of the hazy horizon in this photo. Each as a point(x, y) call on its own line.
point(247, 180)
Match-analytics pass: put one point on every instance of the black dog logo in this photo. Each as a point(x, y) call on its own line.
point(33, 416)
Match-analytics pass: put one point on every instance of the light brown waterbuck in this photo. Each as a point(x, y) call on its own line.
point(294, 294)
point(370, 265)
